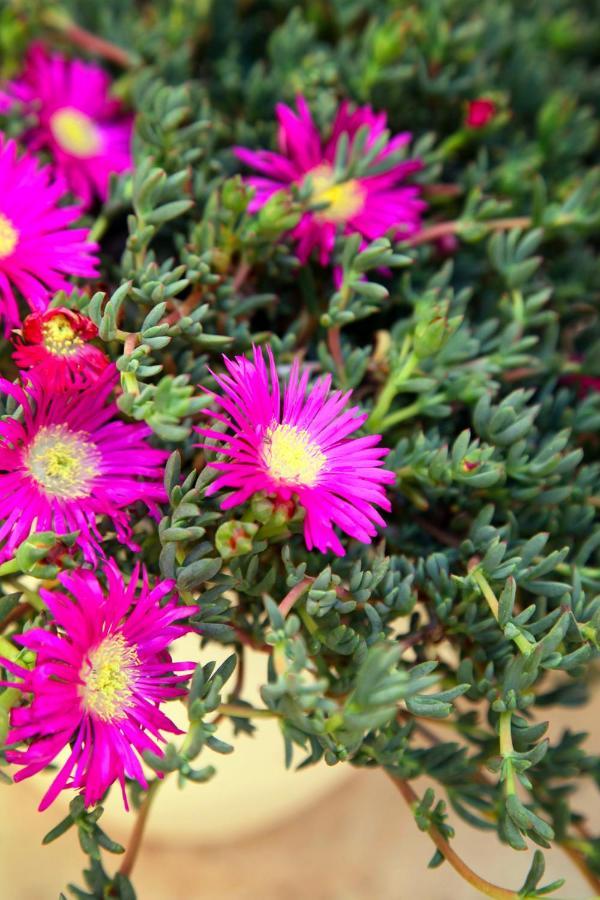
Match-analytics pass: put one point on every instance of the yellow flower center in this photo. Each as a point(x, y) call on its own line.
point(63, 462)
point(75, 132)
point(107, 676)
point(344, 200)
point(9, 236)
point(290, 455)
point(60, 338)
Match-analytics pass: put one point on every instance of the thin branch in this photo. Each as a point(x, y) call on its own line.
point(432, 630)
point(442, 190)
point(137, 834)
point(241, 273)
point(248, 641)
point(578, 859)
point(335, 348)
point(441, 229)
point(292, 596)
point(444, 537)
point(568, 845)
point(15, 614)
point(245, 712)
point(87, 41)
point(239, 682)
point(457, 863)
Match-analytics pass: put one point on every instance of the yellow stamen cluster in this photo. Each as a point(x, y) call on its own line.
point(9, 236)
point(344, 200)
point(107, 677)
point(76, 133)
point(291, 456)
point(63, 462)
point(60, 338)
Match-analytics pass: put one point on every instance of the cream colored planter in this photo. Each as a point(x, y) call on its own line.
point(252, 789)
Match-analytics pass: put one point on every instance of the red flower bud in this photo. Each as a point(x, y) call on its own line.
point(480, 112)
point(54, 347)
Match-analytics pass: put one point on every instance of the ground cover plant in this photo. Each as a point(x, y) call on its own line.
point(300, 354)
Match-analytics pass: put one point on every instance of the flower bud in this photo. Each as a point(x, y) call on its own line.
point(234, 538)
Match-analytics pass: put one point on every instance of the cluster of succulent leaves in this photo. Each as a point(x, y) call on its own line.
point(479, 605)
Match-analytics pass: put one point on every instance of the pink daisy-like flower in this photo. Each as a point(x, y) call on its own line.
point(38, 249)
point(57, 352)
point(86, 131)
point(100, 676)
point(373, 204)
point(69, 461)
point(297, 444)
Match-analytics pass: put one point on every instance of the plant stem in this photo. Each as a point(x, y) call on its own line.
point(525, 646)
point(408, 363)
point(245, 712)
point(8, 650)
point(98, 229)
point(507, 750)
point(239, 683)
point(333, 335)
point(89, 42)
point(571, 846)
point(407, 412)
point(15, 614)
point(459, 865)
point(296, 592)
point(577, 857)
point(248, 641)
point(137, 834)
point(10, 567)
point(241, 273)
point(455, 227)
point(335, 348)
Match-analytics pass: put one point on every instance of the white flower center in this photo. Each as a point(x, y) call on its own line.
point(344, 200)
point(108, 675)
point(63, 462)
point(76, 133)
point(9, 236)
point(291, 456)
point(60, 338)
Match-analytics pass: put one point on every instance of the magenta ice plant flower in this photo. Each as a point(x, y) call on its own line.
point(375, 203)
point(69, 460)
point(101, 672)
point(38, 248)
point(296, 442)
point(86, 131)
point(54, 348)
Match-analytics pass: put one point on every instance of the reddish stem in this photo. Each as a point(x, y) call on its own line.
point(87, 41)
point(442, 190)
point(242, 272)
point(443, 228)
point(245, 639)
point(459, 865)
point(335, 348)
point(296, 592)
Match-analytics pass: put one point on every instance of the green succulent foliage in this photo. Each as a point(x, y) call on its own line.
point(470, 352)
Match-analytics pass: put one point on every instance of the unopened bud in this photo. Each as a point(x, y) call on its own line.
point(234, 538)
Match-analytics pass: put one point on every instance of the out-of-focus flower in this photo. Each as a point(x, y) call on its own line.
point(85, 130)
point(38, 249)
point(56, 350)
point(372, 204)
point(99, 678)
point(480, 112)
point(297, 444)
point(70, 461)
